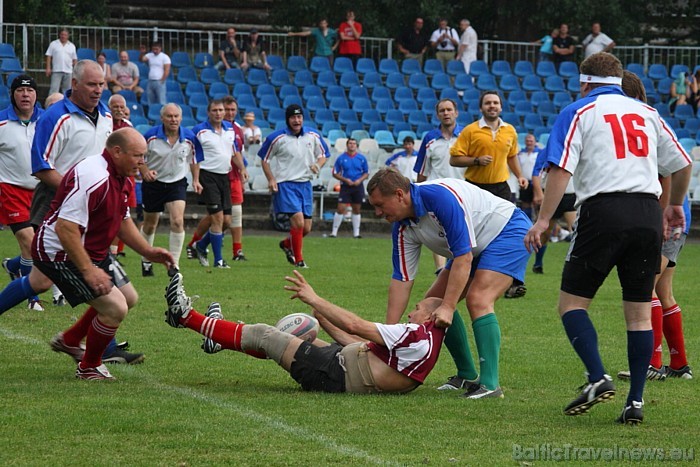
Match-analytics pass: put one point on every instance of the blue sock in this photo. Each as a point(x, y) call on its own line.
point(640, 346)
point(15, 292)
point(111, 347)
point(25, 266)
point(584, 340)
point(13, 265)
point(217, 242)
point(539, 256)
point(204, 242)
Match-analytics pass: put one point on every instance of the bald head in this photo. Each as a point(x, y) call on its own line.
point(52, 99)
point(127, 148)
point(87, 84)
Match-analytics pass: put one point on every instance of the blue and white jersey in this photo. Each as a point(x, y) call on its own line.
point(218, 148)
point(65, 135)
point(351, 167)
point(453, 217)
point(15, 148)
point(292, 156)
point(171, 161)
point(404, 163)
point(434, 156)
point(613, 143)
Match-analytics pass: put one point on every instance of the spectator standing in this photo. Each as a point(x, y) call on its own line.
point(352, 169)
point(253, 54)
point(563, 46)
point(17, 125)
point(291, 157)
point(350, 32)
point(468, 44)
point(229, 51)
point(325, 39)
point(404, 161)
point(445, 41)
point(527, 158)
point(125, 75)
point(251, 132)
point(620, 221)
point(61, 56)
point(414, 42)
point(158, 71)
point(596, 42)
point(546, 43)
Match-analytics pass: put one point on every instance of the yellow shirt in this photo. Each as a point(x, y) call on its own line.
point(476, 140)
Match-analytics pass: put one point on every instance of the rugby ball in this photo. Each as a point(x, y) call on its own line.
point(303, 326)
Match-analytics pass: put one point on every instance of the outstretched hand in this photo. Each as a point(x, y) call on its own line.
point(302, 290)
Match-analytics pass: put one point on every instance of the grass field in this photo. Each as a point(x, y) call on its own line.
point(183, 407)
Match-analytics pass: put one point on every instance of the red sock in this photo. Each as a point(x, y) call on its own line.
point(224, 333)
point(297, 235)
point(657, 325)
point(287, 242)
point(195, 237)
point(673, 330)
point(237, 247)
point(74, 335)
point(120, 246)
point(98, 337)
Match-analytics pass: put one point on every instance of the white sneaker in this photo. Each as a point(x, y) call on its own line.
point(35, 305)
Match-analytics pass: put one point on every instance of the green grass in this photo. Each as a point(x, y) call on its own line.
point(183, 407)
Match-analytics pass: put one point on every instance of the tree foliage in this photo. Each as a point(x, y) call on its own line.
point(65, 12)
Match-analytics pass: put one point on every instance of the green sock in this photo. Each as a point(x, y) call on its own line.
point(487, 335)
point(458, 345)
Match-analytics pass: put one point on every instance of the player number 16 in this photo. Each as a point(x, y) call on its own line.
point(630, 128)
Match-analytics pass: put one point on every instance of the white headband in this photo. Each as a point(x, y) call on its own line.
point(600, 79)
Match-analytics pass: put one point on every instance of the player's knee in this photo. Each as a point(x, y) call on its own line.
point(478, 301)
point(237, 216)
point(266, 338)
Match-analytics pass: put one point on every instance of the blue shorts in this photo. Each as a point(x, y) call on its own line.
point(506, 253)
point(293, 197)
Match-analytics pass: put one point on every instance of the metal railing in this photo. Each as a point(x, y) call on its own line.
point(31, 40)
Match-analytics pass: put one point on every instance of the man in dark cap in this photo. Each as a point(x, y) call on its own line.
point(17, 185)
point(291, 157)
point(253, 54)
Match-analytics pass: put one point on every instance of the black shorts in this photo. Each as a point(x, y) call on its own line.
point(318, 368)
point(526, 194)
point(567, 204)
point(502, 189)
point(70, 280)
point(41, 201)
point(615, 229)
point(157, 194)
point(351, 194)
point(216, 191)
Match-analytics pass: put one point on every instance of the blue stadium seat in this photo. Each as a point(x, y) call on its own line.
point(455, 68)
point(297, 63)
point(523, 108)
point(186, 74)
point(275, 62)
point(450, 93)
point(292, 99)
point(465, 118)
point(394, 116)
point(334, 134)
point(573, 86)
point(210, 75)
point(129, 96)
point(687, 143)
point(325, 79)
point(416, 117)
point(276, 115)
point(678, 68)
point(316, 103)
point(402, 134)
point(357, 92)
point(568, 70)
point(538, 97)
point(318, 65)
point(242, 88)
point(11, 65)
point(233, 76)
point(663, 109)
point(106, 93)
point(410, 66)
point(463, 82)
point(532, 121)
point(478, 68)
point(346, 116)
point(217, 90)
point(256, 77)
point(135, 56)
point(425, 93)
point(500, 68)
point(546, 110)
point(327, 127)
point(203, 60)
point(636, 68)
point(394, 80)
point(516, 96)
point(648, 86)
point(539, 131)
point(268, 102)
point(372, 79)
point(433, 66)
point(470, 94)
point(692, 125)
point(532, 83)
point(545, 69)
point(201, 113)
point(365, 65)
point(683, 112)
point(657, 71)
point(673, 122)
point(428, 106)
point(509, 83)
point(265, 90)
point(198, 99)
point(7, 51)
point(406, 106)
point(85, 53)
point(177, 59)
point(357, 134)
point(288, 90)
point(664, 88)
point(188, 119)
point(417, 81)
point(303, 78)
point(441, 81)
point(486, 82)
point(111, 55)
point(403, 93)
point(153, 112)
point(247, 101)
point(311, 90)
point(324, 115)
point(370, 117)
point(335, 91)
point(377, 126)
point(175, 97)
point(561, 100)
point(384, 105)
point(342, 64)
point(279, 77)
point(388, 65)
point(362, 105)
point(381, 92)
point(384, 138)
point(523, 68)
point(554, 83)
point(349, 79)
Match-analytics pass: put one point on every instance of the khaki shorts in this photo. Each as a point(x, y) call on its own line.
point(358, 374)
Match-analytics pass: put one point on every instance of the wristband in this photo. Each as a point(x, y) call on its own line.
point(476, 161)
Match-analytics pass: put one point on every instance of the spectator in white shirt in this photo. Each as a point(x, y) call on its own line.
point(61, 56)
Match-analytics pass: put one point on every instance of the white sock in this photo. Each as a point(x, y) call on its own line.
point(149, 239)
point(177, 240)
point(337, 220)
point(356, 224)
point(55, 291)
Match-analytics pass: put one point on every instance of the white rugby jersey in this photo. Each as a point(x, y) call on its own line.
point(171, 162)
point(292, 156)
point(15, 148)
point(613, 143)
point(434, 156)
point(453, 217)
point(217, 148)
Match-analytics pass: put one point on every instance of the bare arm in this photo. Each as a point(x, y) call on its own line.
point(338, 335)
point(50, 177)
point(399, 295)
point(514, 165)
point(343, 319)
point(48, 65)
point(459, 276)
point(166, 72)
point(271, 182)
point(130, 235)
point(196, 186)
point(557, 179)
